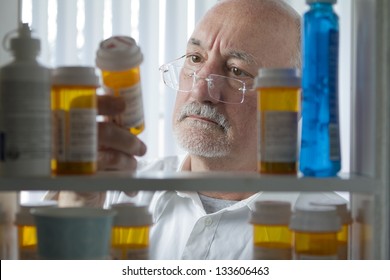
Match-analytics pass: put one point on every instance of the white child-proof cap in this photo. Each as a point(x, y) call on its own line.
point(118, 53)
point(310, 218)
point(269, 212)
point(277, 77)
point(341, 206)
point(75, 75)
point(129, 214)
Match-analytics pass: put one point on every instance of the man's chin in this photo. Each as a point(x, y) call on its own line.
point(199, 148)
point(202, 142)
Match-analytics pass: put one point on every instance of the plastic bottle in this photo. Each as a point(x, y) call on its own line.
point(27, 230)
point(74, 120)
point(346, 220)
point(119, 58)
point(25, 116)
point(271, 234)
point(130, 232)
point(320, 144)
point(278, 108)
point(315, 231)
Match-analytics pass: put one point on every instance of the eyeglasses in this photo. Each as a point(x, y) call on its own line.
point(182, 77)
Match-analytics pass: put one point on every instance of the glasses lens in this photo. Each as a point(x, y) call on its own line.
point(170, 76)
point(177, 77)
point(221, 88)
point(225, 89)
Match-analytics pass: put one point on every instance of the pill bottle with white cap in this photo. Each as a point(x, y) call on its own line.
point(74, 109)
point(272, 238)
point(315, 231)
point(278, 91)
point(346, 221)
point(119, 59)
point(130, 232)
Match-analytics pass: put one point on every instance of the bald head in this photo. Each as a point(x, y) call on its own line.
point(269, 17)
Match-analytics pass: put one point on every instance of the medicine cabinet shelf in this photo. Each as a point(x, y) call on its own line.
point(212, 181)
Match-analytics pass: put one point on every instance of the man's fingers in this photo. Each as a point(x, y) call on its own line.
point(114, 160)
point(117, 138)
point(110, 105)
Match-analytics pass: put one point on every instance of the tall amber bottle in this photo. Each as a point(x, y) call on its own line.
point(278, 112)
point(74, 120)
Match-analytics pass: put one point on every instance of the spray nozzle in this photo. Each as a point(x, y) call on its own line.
point(24, 31)
point(23, 45)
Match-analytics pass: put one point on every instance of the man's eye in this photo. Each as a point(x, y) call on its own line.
point(195, 59)
point(237, 72)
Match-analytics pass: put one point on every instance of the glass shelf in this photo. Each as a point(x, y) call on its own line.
point(191, 181)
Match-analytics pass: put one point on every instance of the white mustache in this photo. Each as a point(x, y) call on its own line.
point(204, 111)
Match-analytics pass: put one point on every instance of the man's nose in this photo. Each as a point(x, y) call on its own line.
point(200, 91)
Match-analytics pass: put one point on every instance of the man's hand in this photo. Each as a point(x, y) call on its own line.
point(117, 146)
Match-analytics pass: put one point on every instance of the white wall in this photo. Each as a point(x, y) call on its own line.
point(9, 20)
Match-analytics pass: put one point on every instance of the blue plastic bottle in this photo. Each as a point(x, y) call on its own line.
point(320, 143)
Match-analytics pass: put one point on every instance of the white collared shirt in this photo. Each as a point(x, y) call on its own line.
point(183, 230)
point(181, 227)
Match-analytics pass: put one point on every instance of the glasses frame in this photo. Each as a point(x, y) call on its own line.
point(209, 79)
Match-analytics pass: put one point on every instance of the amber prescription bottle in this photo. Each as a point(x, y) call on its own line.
point(119, 59)
point(271, 234)
point(130, 232)
point(27, 231)
point(278, 92)
point(346, 221)
point(315, 231)
point(74, 120)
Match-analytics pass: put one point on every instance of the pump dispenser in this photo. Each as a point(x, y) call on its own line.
point(25, 115)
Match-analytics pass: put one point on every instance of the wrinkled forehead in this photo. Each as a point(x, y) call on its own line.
point(267, 34)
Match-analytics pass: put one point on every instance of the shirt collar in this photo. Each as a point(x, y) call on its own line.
point(185, 164)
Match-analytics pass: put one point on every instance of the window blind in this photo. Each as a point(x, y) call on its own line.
point(71, 30)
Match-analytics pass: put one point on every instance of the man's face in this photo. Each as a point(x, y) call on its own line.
point(228, 44)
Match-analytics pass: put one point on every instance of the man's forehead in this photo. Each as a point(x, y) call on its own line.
point(231, 53)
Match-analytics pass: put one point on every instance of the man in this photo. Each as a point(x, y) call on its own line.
point(234, 39)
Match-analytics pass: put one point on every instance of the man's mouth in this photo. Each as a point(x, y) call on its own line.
point(203, 119)
point(205, 114)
